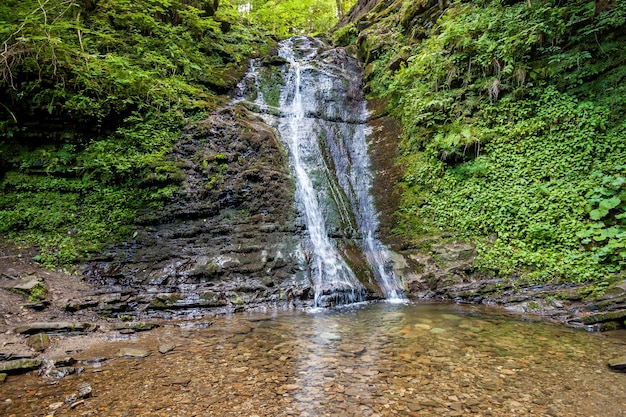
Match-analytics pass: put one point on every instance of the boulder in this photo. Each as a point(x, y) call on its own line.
point(39, 342)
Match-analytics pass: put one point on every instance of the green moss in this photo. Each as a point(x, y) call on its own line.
point(35, 294)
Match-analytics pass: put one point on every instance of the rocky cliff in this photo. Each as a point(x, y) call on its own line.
point(225, 239)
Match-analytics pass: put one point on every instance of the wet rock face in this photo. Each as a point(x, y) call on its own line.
point(226, 238)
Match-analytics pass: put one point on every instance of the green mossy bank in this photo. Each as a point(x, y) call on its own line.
point(513, 130)
point(94, 95)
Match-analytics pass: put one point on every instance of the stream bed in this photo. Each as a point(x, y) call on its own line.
point(377, 359)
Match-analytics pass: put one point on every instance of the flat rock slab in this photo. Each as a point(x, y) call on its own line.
point(618, 364)
point(59, 326)
point(130, 352)
point(136, 326)
point(6, 355)
point(19, 366)
point(617, 316)
point(24, 285)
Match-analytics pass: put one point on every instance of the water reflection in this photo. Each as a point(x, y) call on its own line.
point(370, 360)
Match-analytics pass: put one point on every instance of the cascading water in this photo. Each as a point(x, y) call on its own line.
point(321, 119)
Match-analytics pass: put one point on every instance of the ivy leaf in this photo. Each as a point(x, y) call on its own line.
point(599, 213)
point(619, 181)
point(610, 232)
point(610, 203)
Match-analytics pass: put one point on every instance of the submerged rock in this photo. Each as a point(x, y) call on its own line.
point(166, 347)
point(131, 352)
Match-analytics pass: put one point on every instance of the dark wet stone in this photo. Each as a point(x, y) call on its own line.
point(137, 327)
point(61, 326)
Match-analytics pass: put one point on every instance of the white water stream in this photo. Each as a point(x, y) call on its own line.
point(322, 120)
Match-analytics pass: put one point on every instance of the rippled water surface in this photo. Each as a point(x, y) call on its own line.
point(370, 360)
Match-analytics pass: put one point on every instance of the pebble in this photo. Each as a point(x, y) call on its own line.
point(506, 369)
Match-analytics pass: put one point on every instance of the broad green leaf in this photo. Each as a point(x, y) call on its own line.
point(599, 213)
point(610, 203)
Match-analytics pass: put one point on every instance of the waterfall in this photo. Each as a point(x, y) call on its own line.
point(322, 120)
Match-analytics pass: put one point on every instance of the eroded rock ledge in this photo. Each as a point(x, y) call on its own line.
point(226, 239)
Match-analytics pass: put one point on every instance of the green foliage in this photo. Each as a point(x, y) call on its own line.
point(71, 202)
point(606, 232)
point(345, 36)
point(292, 17)
point(514, 133)
point(94, 96)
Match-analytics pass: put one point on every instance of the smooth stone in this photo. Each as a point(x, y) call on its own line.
point(437, 330)
point(3, 377)
point(26, 285)
point(422, 326)
point(19, 366)
point(353, 349)
point(133, 352)
point(180, 381)
point(415, 406)
point(39, 342)
point(55, 406)
point(166, 347)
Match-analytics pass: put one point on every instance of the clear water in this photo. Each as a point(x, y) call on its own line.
point(369, 360)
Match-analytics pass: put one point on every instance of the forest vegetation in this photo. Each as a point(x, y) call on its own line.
point(514, 135)
point(95, 93)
